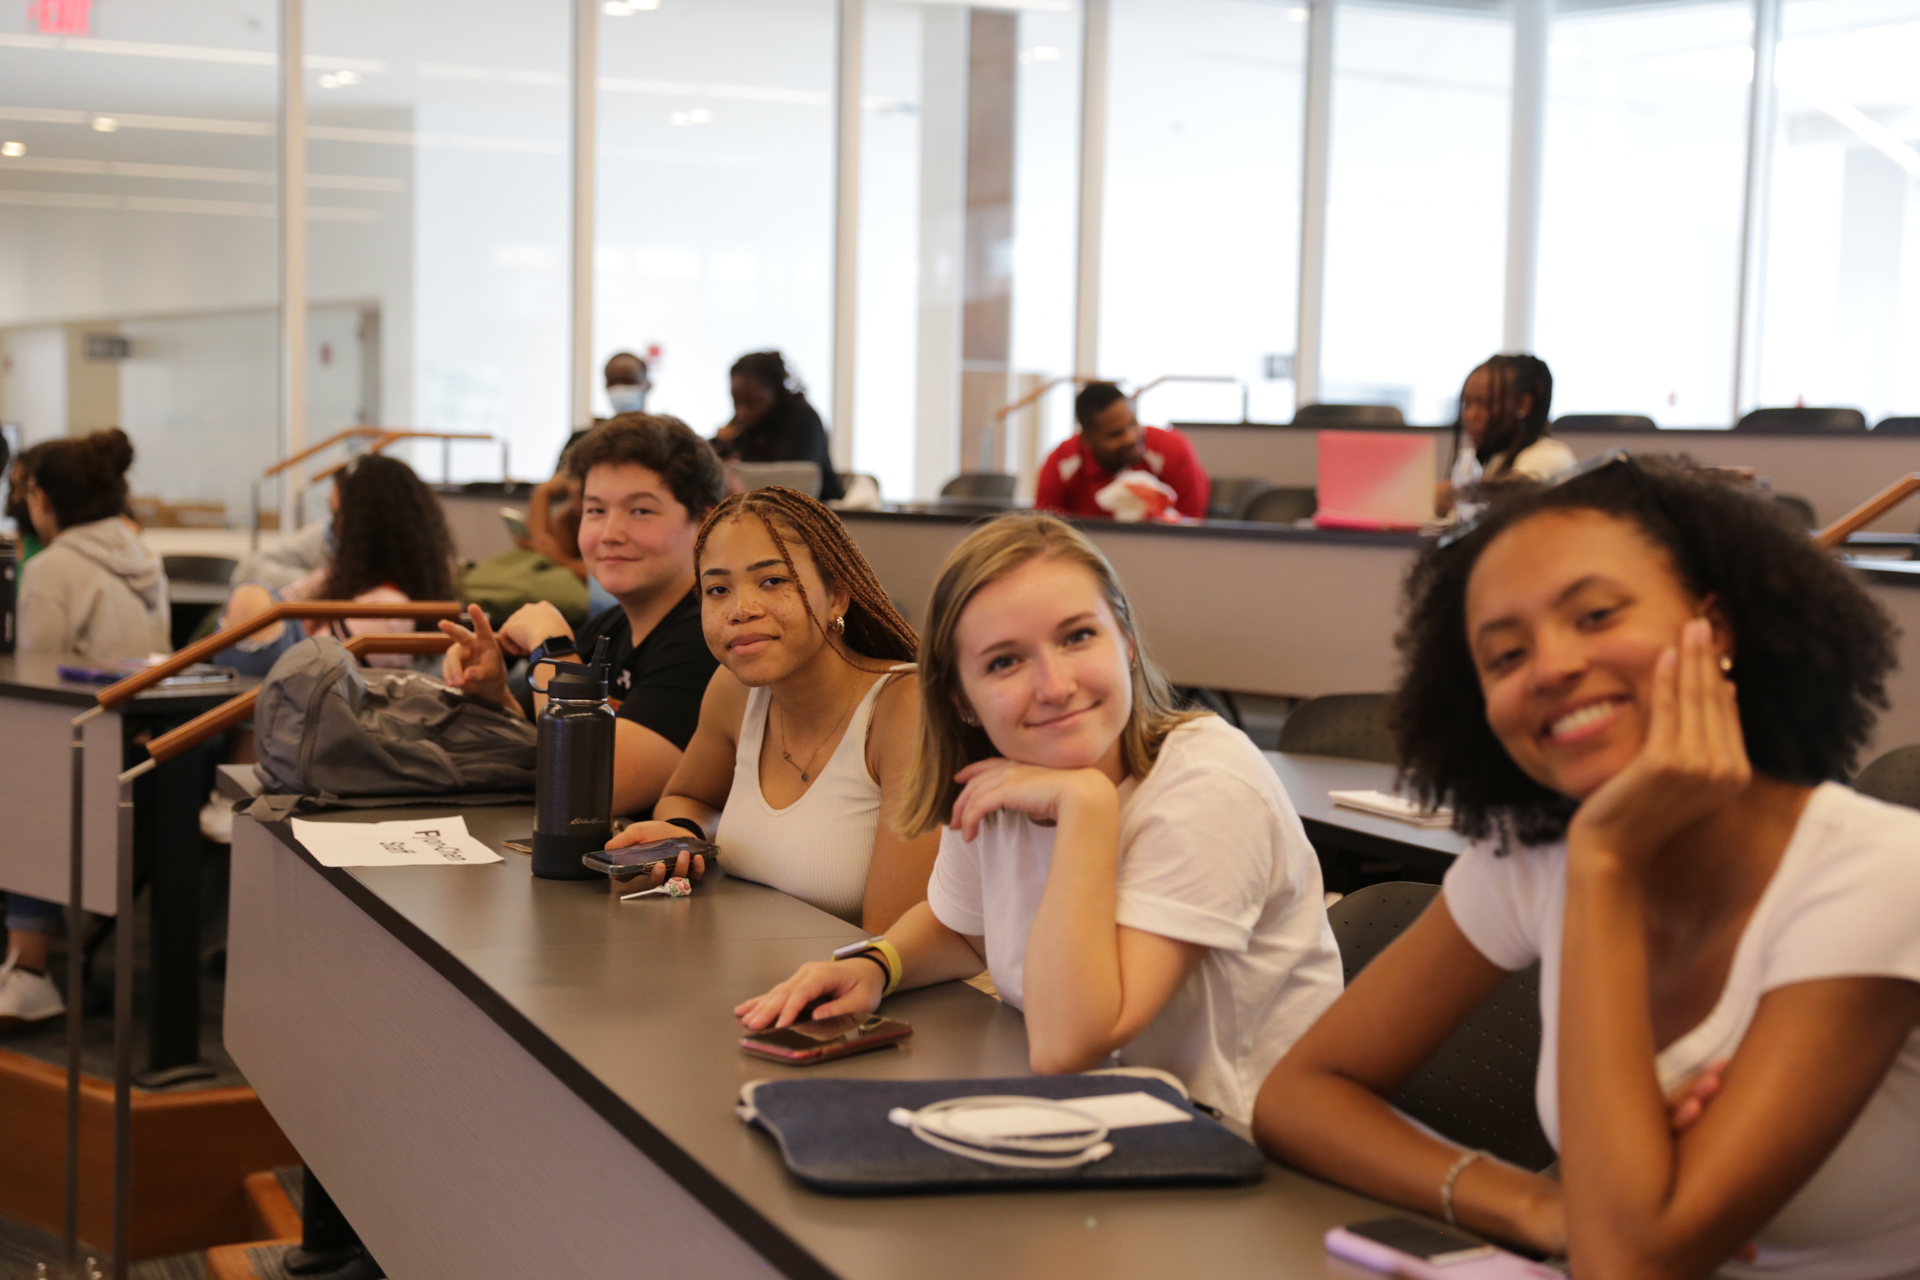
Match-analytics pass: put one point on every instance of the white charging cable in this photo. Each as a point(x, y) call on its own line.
point(934, 1125)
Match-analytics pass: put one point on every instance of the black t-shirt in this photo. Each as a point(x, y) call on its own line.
point(791, 432)
point(660, 683)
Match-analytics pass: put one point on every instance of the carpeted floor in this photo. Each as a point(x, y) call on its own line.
point(25, 1250)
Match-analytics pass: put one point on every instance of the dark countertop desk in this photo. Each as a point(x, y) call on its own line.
point(36, 807)
point(498, 1076)
point(1309, 779)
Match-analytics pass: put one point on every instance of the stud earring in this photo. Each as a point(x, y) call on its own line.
point(1726, 663)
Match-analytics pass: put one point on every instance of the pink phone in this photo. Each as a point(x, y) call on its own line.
point(805, 1043)
point(1415, 1250)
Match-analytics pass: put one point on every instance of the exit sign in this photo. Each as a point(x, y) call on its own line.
point(61, 17)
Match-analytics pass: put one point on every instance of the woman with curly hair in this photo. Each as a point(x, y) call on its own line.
point(388, 544)
point(1640, 690)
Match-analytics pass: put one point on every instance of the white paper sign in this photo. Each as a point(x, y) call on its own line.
point(442, 842)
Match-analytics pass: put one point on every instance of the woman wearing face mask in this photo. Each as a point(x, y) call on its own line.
point(772, 421)
point(1638, 690)
point(806, 732)
point(1134, 877)
point(1503, 419)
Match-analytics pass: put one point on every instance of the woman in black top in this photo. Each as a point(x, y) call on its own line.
point(772, 421)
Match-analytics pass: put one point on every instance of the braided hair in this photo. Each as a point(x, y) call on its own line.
point(874, 628)
point(1509, 432)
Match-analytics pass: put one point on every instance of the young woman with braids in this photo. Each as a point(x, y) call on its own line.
point(773, 422)
point(1503, 417)
point(807, 731)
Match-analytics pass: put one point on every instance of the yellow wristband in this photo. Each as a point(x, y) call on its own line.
point(889, 956)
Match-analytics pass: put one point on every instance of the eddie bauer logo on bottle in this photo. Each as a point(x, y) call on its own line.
point(586, 822)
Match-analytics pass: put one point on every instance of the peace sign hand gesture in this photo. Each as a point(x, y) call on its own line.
point(473, 663)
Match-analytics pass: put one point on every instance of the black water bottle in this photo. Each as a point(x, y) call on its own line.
point(573, 783)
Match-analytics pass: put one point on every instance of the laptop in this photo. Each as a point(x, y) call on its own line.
point(1375, 480)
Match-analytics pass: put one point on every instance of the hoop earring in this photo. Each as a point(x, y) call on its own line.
point(840, 624)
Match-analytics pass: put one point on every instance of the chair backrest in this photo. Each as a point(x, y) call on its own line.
point(1281, 506)
point(1352, 726)
point(1348, 415)
point(979, 484)
point(1899, 426)
point(1798, 509)
point(804, 476)
point(214, 569)
point(1604, 422)
point(1232, 495)
point(858, 492)
point(1803, 419)
point(1478, 1089)
point(1894, 777)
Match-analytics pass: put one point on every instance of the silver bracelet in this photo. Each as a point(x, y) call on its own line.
point(1453, 1176)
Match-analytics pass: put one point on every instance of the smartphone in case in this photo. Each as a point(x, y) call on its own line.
point(1416, 1250)
point(638, 859)
point(805, 1043)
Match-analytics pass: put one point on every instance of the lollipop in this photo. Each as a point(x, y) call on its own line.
point(677, 887)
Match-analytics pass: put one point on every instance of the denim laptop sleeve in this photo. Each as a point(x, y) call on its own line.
point(835, 1136)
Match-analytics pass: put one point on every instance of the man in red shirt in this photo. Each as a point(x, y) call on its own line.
point(1111, 440)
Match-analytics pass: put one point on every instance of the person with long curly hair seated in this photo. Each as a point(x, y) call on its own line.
point(1640, 691)
point(388, 544)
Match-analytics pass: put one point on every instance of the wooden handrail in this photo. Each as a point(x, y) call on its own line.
point(331, 610)
point(238, 708)
point(386, 438)
point(390, 433)
point(1867, 512)
point(1000, 414)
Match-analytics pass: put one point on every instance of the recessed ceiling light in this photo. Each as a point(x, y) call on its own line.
point(700, 115)
point(678, 118)
point(627, 8)
point(13, 148)
point(105, 124)
point(339, 79)
point(1297, 14)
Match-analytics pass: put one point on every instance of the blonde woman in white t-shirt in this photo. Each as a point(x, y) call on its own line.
point(1132, 876)
point(1638, 688)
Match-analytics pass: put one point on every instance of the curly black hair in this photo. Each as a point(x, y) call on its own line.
point(1811, 649)
point(390, 532)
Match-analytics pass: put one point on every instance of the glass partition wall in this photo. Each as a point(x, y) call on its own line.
point(140, 161)
point(138, 286)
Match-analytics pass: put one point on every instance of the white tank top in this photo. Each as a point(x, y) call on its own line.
point(818, 848)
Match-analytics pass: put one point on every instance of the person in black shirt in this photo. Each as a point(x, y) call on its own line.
point(772, 421)
point(646, 484)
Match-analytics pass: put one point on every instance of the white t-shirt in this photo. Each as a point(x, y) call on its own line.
point(1544, 459)
point(1211, 852)
point(1844, 902)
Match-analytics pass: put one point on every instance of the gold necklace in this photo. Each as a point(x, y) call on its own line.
point(806, 770)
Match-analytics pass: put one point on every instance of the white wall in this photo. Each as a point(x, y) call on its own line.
point(33, 381)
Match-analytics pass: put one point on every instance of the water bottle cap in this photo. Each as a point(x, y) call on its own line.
point(578, 681)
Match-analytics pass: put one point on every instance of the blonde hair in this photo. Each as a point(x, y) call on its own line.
point(948, 743)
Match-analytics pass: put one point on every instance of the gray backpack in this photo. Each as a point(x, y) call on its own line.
point(331, 732)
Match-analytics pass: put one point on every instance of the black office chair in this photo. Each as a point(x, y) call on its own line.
point(1798, 510)
point(1604, 422)
point(1894, 777)
point(1478, 1089)
point(1355, 416)
point(990, 485)
point(1232, 495)
point(1899, 426)
point(1282, 506)
point(1790, 421)
point(1352, 726)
